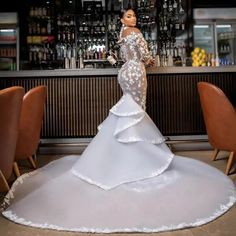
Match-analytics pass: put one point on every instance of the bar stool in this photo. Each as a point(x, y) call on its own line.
point(30, 125)
point(10, 108)
point(220, 120)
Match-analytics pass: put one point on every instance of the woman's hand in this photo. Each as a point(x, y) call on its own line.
point(151, 62)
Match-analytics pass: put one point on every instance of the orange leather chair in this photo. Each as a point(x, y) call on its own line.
point(30, 125)
point(220, 120)
point(10, 108)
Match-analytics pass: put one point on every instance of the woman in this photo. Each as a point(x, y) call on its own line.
point(126, 180)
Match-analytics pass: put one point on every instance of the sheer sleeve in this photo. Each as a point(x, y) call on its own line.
point(143, 49)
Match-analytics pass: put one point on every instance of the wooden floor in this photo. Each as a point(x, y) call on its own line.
point(223, 226)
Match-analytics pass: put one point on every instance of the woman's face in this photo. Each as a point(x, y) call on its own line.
point(129, 18)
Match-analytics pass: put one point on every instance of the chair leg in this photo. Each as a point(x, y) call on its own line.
point(229, 163)
point(6, 185)
point(32, 162)
point(34, 157)
point(16, 169)
point(215, 153)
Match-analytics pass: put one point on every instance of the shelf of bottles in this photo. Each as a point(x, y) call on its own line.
point(66, 51)
point(85, 34)
point(40, 37)
point(91, 35)
point(113, 28)
point(171, 32)
point(147, 14)
point(8, 48)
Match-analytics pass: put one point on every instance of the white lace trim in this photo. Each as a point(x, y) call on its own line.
point(113, 111)
point(10, 194)
point(139, 139)
point(222, 209)
point(106, 187)
point(20, 180)
point(12, 216)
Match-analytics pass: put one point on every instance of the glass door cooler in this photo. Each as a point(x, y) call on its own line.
point(214, 31)
point(9, 41)
point(226, 43)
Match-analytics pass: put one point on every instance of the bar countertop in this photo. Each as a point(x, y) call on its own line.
point(114, 71)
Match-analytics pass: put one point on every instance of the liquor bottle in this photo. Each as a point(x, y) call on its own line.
point(81, 60)
point(213, 61)
point(179, 59)
point(49, 26)
point(43, 27)
point(175, 51)
point(183, 25)
point(170, 6)
point(177, 23)
point(30, 30)
point(208, 59)
point(112, 58)
point(217, 61)
point(31, 11)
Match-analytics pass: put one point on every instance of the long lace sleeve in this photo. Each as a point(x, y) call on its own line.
point(143, 49)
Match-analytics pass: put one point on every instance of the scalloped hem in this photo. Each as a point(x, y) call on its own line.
point(223, 209)
point(222, 206)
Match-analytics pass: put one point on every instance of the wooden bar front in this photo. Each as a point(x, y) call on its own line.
point(79, 100)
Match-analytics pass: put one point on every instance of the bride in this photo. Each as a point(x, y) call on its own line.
point(127, 179)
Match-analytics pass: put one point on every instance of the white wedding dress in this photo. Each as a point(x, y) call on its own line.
point(127, 180)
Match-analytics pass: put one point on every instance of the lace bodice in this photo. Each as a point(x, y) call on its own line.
point(134, 47)
point(132, 75)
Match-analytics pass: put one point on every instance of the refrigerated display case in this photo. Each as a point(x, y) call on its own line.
point(9, 41)
point(203, 37)
point(215, 31)
point(226, 43)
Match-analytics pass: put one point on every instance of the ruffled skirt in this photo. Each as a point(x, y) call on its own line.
point(125, 181)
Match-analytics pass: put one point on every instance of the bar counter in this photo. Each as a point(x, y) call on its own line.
point(79, 100)
point(114, 71)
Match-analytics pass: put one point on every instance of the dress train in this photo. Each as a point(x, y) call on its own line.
point(125, 181)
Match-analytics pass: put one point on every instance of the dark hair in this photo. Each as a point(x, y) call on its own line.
point(123, 11)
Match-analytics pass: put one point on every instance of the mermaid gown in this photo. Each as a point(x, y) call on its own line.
point(127, 179)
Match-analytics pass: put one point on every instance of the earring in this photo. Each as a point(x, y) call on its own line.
point(124, 26)
point(121, 30)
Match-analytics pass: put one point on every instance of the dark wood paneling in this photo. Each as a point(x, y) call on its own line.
point(76, 106)
point(173, 101)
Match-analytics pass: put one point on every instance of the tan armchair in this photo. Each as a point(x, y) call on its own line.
point(220, 120)
point(30, 125)
point(10, 108)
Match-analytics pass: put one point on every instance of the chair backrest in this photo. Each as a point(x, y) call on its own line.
point(219, 116)
point(10, 109)
point(31, 122)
